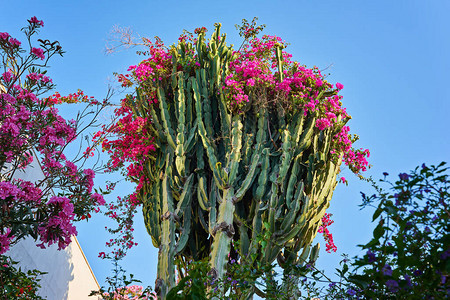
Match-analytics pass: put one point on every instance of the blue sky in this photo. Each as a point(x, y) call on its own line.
point(391, 56)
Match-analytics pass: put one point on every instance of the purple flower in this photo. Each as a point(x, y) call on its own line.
point(445, 255)
point(392, 285)
point(385, 173)
point(387, 271)
point(371, 256)
point(403, 176)
point(351, 292)
point(408, 281)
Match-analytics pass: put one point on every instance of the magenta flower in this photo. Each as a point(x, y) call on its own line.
point(323, 123)
point(7, 76)
point(34, 20)
point(38, 52)
point(14, 42)
point(339, 86)
point(5, 241)
point(4, 35)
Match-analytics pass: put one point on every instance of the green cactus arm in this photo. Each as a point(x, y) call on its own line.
point(314, 253)
point(180, 150)
point(212, 209)
point(206, 101)
point(234, 157)
point(293, 232)
point(166, 267)
point(305, 138)
point(186, 195)
point(192, 138)
point(225, 122)
point(212, 158)
point(152, 212)
point(294, 209)
point(263, 175)
point(201, 193)
point(165, 116)
point(184, 206)
point(292, 182)
point(185, 232)
point(279, 56)
point(251, 175)
point(223, 232)
point(285, 158)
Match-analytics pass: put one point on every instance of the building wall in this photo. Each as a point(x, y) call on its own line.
point(69, 274)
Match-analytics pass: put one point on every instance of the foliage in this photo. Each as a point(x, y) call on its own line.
point(408, 254)
point(16, 284)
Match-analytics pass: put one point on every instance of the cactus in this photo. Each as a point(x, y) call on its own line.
point(224, 172)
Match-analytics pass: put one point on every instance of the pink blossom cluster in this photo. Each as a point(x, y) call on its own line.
point(7, 42)
point(36, 22)
point(77, 97)
point(5, 240)
point(132, 292)
point(133, 144)
point(355, 159)
point(255, 67)
point(38, 52)
point(326, 222)
point(41, 78)
point(157, 66)
point(59, 228)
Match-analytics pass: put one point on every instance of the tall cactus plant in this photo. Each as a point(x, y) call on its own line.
point(247, 144)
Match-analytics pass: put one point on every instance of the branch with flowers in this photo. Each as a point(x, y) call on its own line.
point(31, 128)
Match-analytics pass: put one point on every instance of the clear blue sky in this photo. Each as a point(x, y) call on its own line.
point(391, 56)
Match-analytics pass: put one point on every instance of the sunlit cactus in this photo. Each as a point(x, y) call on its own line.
point(248, 145)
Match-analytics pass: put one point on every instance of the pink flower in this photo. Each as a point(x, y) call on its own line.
point(7, 76)
point(5, 241)
point(98, 199)
point(38, 52)
point(14, 42)
point(4, 35)
point(34, 20)
point(322, 124)
point(339, 86)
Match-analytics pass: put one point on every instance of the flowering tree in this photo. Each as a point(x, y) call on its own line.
point(235, 154)
point(31, 128)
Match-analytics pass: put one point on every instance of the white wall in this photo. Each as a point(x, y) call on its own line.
point(69, 274)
